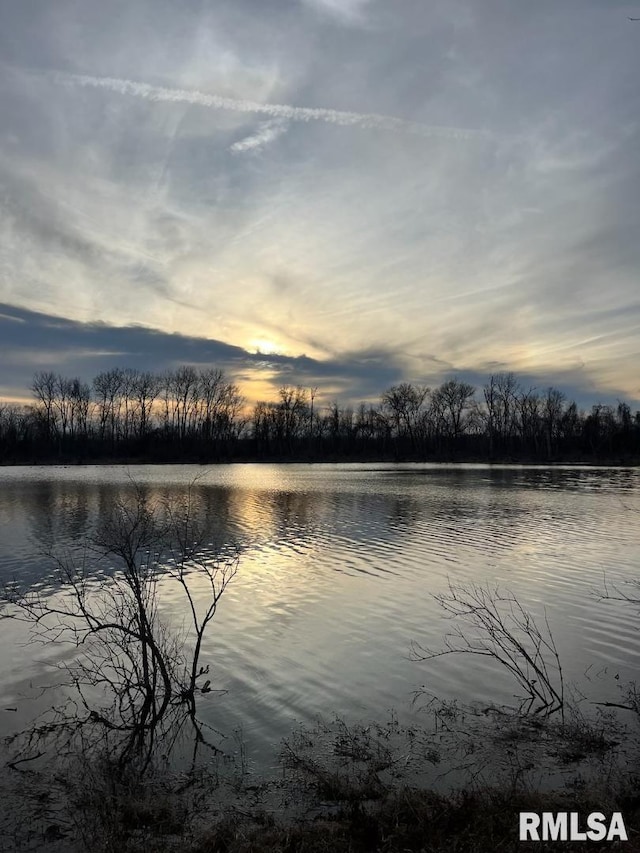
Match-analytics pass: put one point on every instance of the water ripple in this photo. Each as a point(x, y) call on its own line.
point(339, 566)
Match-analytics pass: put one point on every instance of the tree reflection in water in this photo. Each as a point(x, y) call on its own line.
point(132, 680)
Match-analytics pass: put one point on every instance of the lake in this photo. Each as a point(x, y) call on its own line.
point(338, 569)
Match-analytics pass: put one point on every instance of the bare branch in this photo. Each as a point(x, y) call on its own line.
point(145, 673)
point(497, 626)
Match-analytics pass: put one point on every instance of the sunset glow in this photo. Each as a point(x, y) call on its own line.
point(368, 197)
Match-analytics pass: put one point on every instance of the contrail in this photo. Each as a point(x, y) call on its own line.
point(267, 132)
point(284, 111)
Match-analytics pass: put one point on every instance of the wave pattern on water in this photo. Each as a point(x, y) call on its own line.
point(339, 566)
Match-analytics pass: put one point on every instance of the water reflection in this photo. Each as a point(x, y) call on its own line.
point(131, 678)
point(338, 565)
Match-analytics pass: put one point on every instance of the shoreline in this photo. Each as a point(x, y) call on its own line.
point(498, 462)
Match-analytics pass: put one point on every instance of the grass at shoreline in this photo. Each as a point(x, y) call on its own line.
point(422, 821)
point(352, 789)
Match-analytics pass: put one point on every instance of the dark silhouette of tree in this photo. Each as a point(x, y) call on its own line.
point(44, 390)
point(108, 386)
point(145, 388)
point(551, 416)
point(505, 393)
point(194, 414)
point(451, 401)
point(404, 406)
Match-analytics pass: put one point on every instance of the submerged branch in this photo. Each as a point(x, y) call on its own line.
point(495, 625)
point(145, 674)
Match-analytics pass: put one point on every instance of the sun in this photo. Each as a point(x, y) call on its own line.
point(265, 346)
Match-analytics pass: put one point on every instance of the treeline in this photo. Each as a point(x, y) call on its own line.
point(200, 415)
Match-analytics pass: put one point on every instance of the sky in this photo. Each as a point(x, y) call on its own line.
point(335, 193)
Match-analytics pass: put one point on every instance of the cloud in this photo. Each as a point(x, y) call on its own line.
point(284, 111)
point(35, 341)
point(349, 11)
point(354, 230)
point(267, 132)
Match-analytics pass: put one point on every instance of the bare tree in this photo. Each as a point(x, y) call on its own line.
point(552, 407)
point(293, 413)
point(145, 389)
point(312, 396)
point(44, 390)
point(220, 406)
point(498, 627)
point(80, 395)
point(404, 404)
point(500, 396)
point(452, 400)
point(108, 387)
point(134, 679)
point(184, 391)
point(528, 404)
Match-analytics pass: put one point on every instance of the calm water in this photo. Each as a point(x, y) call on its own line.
point(338, 568)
